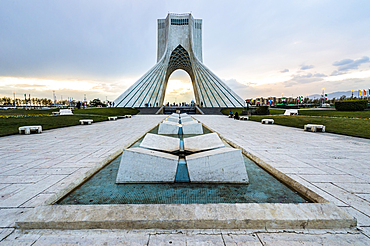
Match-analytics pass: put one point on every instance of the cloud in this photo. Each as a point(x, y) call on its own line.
point(29, 86)
point(342, 62)
point(284, 71)
point(336, 73)
point(305, 67)
point(348, 64)
point(318, 75)
point(304, 79)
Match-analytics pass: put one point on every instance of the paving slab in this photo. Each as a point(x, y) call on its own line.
point(240, 240)
point(355, 187)
point(5, 232)
point(362, 219)
point(8, 216)
point(181, 239)
point(289, 239)
point(92, 237)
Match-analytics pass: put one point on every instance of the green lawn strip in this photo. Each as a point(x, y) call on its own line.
point(344, 126)
point(107, 111)
point(226, 111)
point(90, 111)
point(10, 126)
point(276, 111)
point(335, 113)
point(25, 112)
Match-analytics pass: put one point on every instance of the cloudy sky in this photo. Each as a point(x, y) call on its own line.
point(259, 48)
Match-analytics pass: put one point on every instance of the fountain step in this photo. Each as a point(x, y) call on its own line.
point(188, 216)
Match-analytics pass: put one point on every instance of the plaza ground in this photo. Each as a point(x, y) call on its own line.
point(37, 168)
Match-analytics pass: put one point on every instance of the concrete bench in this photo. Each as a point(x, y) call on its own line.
point(267, 121)
point(55, 113)
point(128, 116)
point(86, 122)
point(65, 112)
point(244, 118)
point(314, 128)
point(28, 129)
point(112, 118)
point(231, 116)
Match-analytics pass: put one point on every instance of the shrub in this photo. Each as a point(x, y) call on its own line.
point(351, 105)
point(262, 110)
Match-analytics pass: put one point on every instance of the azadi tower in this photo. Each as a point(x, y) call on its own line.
point(179, 47)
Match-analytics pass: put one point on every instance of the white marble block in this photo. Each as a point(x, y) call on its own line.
point(192, 129)
point(203, 142)
point(173, 119)
point(224, 165)
point(170, 122)
point(184, 115)
point(139, 165)
point(168, 129)
point(189, 122)
point(159, 142)
point(186, 119)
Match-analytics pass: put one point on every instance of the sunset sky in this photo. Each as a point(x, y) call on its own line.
point(259, 48)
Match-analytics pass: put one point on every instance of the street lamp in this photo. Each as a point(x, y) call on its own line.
point(14, 98)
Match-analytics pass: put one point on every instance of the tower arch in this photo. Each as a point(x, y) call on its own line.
point(179, 47)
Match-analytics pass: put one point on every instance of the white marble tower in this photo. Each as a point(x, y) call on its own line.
point(179, 47)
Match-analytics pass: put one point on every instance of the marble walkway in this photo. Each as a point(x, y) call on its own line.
point(35, 167)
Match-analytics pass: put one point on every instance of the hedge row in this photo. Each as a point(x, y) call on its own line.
point(351, 105)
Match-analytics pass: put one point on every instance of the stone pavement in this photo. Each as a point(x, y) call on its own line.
point(34, 168)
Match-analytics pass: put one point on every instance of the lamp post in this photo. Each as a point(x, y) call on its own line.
point(352, 95)
point(14, 98)
point(323, 97)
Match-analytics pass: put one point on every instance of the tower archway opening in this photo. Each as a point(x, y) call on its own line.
point(179, 88)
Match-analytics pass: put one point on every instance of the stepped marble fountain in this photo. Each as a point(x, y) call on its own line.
point(197, 159)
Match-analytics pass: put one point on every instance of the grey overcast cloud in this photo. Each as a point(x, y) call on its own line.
point(259, 48)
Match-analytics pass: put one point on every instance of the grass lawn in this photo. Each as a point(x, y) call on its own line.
point(351, 123)
point(344, 126)
point(9, 126)
point(226, 111)
point(335, 113)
